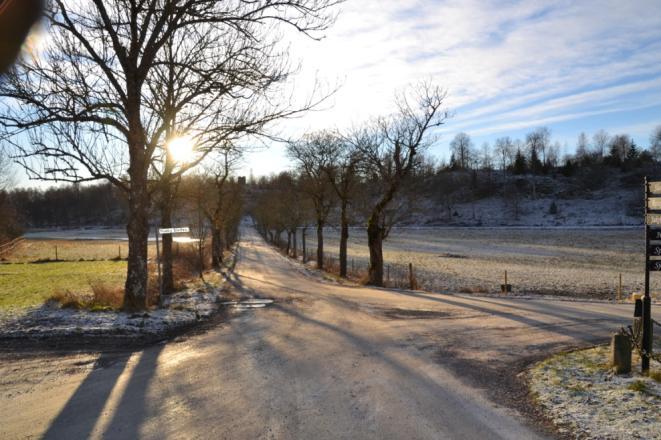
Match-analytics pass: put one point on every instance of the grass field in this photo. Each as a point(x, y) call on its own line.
point(25, 284)
point(585, 262)
point(29, 274)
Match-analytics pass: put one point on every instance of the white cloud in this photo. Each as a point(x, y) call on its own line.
point(505, 64)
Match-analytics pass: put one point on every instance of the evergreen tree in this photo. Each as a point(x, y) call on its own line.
point(519, 166)
point(568, 168)
point(535, 164)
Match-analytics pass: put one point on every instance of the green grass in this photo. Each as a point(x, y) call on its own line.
point(25, 285)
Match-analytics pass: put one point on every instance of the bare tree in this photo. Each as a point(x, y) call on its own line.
point(582, 147)
point(504, 151)
point(655, 143)
point(600, 142)
point(313, 161)
point(83, 108)
point(462, 148)
point(9, 225)
point(389, 152)
point(619, 148)
point(218, 208)
point(486, 159)
point(342, 171)
point(538, 142)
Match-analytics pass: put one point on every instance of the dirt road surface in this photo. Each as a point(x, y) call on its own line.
point(324, 361)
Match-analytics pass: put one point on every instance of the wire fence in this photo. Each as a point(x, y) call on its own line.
point(6, 248)
point(635, 335)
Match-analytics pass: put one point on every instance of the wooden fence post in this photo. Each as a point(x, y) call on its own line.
point(56, 258)
point(412, 285)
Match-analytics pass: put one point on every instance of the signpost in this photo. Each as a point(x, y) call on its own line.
point(652, 261)
point(162, 231)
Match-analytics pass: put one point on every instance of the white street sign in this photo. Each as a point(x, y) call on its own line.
point(653, 219)
point(172, 230)
point(654, 187)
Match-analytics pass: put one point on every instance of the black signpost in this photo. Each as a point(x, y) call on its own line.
point(652, 233)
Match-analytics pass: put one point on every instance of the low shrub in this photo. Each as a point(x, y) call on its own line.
point(106, 296)
point(69, 300)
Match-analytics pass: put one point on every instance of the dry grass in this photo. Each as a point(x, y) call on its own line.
point(104, 297)
point(31, 250)
point(656, 375)
point(186, 263)
point(474, 289)
point(69, 300)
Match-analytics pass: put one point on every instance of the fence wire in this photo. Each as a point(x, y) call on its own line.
point(634, 334)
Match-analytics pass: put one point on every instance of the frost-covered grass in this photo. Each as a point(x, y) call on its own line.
point(25, 285)
point(585, 262)
point(580, 393)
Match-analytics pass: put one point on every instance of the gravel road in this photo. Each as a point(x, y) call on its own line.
point(324, 361)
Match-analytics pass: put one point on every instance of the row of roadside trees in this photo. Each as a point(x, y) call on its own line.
point(119, 80)
point(374, 162)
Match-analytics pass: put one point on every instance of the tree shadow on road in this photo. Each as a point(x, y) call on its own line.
point(87, 406)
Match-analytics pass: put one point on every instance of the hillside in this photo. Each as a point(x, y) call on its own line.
point(556, 201)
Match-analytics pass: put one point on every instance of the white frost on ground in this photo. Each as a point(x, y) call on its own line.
point(583, 396)
point(564, 262)
point(49, 320)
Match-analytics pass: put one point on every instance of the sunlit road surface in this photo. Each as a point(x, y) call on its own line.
point(325, 361)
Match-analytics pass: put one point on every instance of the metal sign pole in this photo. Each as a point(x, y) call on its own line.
point(647, 301)
point(158, 265)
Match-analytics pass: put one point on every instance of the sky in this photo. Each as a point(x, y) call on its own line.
point(508, 67)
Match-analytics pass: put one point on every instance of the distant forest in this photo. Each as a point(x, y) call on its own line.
point(70, 206)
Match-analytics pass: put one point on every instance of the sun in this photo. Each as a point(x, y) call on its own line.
point(181, 149)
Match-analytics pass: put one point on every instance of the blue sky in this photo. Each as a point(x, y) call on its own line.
point(508, 67)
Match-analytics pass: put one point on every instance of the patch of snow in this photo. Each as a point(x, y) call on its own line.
point(49, 320)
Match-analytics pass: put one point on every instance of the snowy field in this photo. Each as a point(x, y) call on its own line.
point(557, 261)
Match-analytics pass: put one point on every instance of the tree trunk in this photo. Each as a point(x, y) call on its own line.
point(320, 245)
point(305, 250)
point(375, 244)
point(137, 229)
point(344, 238)
point(293, 246)
point(288, 242)
point(216, 248)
